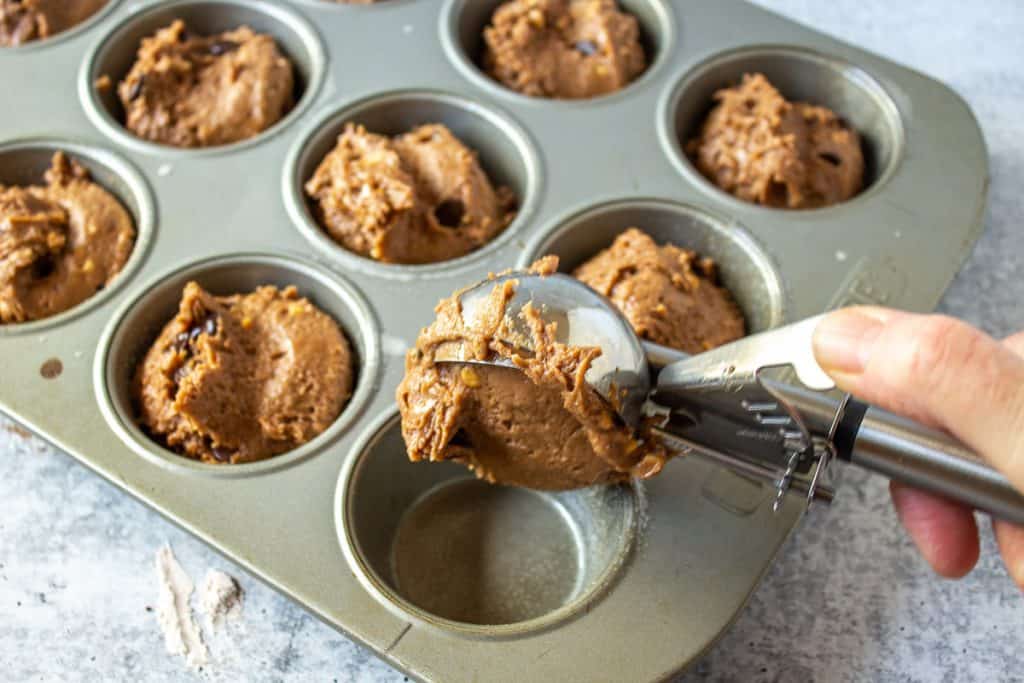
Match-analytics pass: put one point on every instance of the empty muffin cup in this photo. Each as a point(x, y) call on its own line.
point(800, 76)
point(113, 56)
point(462, 35)
point(434, 544)
point(504, 151)
point(24, 163)
point(745, 268)
point(139, 321)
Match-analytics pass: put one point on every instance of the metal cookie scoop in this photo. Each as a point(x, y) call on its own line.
point(583, 317)
point(721, 404)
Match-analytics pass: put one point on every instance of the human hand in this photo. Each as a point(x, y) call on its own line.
point(946, 374)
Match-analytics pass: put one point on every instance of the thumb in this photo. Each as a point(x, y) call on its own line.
point(934, 369)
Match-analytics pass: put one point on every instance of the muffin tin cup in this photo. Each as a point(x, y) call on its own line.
point(438, 546)
point(136, 325)
point(24, 162)
point(115, 53)
point(745, 267)
point(504, 150)
point(461, 32)
point(800, 75)
point(55, 40)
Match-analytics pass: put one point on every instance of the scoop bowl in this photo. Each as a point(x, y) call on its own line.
point(582, 317)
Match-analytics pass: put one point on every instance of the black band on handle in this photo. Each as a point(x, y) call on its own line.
point(846, 431)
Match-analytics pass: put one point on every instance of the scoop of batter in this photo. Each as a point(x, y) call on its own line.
point(59, 243)
point(188, 90)
point(22, 21)
point(669, 295)
point(420, 197)
point(761, 148)
point(537, 425)
point(239, 378)
point(563, 49)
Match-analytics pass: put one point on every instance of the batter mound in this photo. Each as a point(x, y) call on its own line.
point(59, 243)
point(669, 295)
point(420, 197)
point(234, 379)
point(761, 148)
point(22, 21)
point(564, 49)
point(537, 425)
point(187, 90)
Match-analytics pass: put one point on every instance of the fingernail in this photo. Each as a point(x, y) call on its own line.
point(843, 340)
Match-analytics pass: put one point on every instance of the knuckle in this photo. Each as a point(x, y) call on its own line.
point(939, 348)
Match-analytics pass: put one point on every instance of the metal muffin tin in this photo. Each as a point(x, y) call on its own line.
point(444, 577)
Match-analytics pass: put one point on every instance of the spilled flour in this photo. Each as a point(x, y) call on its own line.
point(219, 599)
point(181, 633)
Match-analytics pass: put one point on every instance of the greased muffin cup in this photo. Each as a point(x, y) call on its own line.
point(800, 76)
point(745, 268)
point(114, 55)
point(24, 163)
point(468, 557)
point(136, 325)
point(445, 577)
point(505, 153)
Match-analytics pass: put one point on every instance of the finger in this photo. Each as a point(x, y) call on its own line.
point(1015, 342)
point(944, 532)
point(933, 369)
point(1011, 546)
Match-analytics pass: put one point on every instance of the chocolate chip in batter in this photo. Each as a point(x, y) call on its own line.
point(43, 268)
point(830, 158)
point(222, 47)
point(136, 89)
point(450, 213)
point(207, 325)
point(222, 455)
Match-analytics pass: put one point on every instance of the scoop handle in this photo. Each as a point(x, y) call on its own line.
point(913, 454)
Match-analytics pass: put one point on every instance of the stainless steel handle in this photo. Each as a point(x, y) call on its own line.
point(910, 453)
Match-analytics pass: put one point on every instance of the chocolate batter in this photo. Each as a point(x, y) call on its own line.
point(239, 378)
point(537, 425)
point(565, 49)
point(421, 197)
point(669, 295)
point(762, 148)
point(188, 90)
point(59, 243)
point(22, 21)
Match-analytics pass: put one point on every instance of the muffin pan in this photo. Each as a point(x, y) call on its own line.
point(442, 576)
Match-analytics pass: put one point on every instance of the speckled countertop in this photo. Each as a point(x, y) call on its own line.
point(849, 600)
